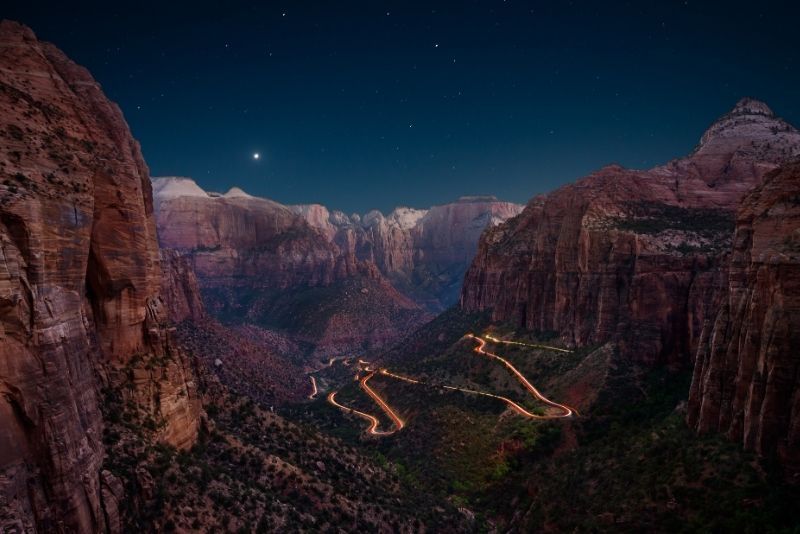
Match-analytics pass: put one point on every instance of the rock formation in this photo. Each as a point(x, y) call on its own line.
point(254, 258)
point(746, 379)
point(179, 288)
point(631, 256)
point(79, 293)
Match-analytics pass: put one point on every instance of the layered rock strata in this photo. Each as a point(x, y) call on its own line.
point(746, 380)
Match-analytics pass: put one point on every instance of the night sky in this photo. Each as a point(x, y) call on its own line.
point(375, 104)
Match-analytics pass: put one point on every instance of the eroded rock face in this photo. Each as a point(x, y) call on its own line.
point(629, 256)
point(254, 257)
point(179, 288)
point(79, 290)
point(746, 380)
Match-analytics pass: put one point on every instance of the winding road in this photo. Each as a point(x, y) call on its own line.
point(398, 423)
point(565, 411)
point(373, 421)
point(314, 390)
point(481, 349)
point(545, 347)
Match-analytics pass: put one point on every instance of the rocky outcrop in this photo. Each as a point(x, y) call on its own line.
point(423, 252)
point(634, 257)
point(746, 380)
point(79, 292)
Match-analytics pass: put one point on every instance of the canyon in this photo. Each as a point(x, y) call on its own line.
point(681, 265)
point(158, 341)
point(335, 283)
point(110, 419)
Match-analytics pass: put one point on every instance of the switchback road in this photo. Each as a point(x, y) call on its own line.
point(565, 411)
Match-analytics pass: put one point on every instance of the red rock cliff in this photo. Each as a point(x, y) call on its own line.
point(746, 381)
point(179, 288)
point(79, 291)
point(631, 256)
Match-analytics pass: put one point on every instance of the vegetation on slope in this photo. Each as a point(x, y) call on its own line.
point(253, 471)
point(627, 461)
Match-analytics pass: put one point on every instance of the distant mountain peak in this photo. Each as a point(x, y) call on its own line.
point(751, 106)
point(237, 192)
point(176, 186)
point(750, 121)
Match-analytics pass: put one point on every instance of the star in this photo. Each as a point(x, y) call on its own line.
point(256, 156)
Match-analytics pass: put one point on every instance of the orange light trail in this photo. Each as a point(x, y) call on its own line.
point(373, 426)
point(398, 423)
point(480, 349)
point(313, 388)
point(546, 347)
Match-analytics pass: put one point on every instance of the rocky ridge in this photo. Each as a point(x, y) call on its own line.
point(424, 253)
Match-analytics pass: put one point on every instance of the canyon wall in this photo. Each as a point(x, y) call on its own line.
point(746, 380)
point(235, 238)
point(79, 293)
point(636, 257)
point(180, 289)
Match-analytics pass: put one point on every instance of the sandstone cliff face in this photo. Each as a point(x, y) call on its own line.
point(79, 291)
point(746, 379)
point(235, 238)
point(631, 256)
point(424, 252)
point(179, 288)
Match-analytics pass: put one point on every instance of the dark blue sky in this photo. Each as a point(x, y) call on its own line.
point(374, 104)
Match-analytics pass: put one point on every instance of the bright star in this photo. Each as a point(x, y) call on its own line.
point(256, 155)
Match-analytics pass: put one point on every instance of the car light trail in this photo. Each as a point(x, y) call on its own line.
point(546, 347)
point(565, 410)
point(398, 423)
point(373, 421)
point(513, 405)
point(313, 388)
point(481, 349)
